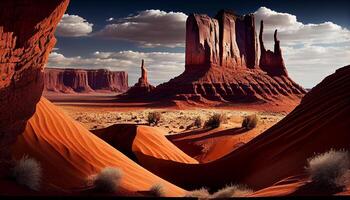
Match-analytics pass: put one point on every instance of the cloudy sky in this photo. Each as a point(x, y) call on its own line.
point(315, 35)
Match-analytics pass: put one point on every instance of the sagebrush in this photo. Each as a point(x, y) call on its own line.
point(153, 118)
point(28, 172)
point(250, 122)
point(157, 190)
point(329, 169)
point(201, 193)
point(230, 191)
point(215, 120)
point(108, 180)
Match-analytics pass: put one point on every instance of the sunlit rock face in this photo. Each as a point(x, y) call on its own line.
point(228, 40)
point(26, 38)
point(223, 64)
point(84, 80)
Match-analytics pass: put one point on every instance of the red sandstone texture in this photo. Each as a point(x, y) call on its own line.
point(142, 87)
point(26, 38)
point(84, 80)
point(222, 64)
point(319, 123)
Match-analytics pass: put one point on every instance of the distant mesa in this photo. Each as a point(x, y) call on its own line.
point(222, 64)
point(85, 80)
point(142, 88)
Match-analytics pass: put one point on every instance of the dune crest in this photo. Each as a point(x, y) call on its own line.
point(69, 153)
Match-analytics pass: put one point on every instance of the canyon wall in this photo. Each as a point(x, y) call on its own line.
point(85, 80)
point(26, 38)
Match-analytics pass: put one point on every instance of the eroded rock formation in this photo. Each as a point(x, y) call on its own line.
point(84, 80)
point(222, 64)
point(26, 38)
point(271, 62)
point(142, 88)
point(228, 40)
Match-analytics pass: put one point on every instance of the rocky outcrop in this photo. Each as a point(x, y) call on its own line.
point(84, 80)
point(222, 64)
point(142, 88)
point(26, 38)
point(271, 62)
point(228, 40)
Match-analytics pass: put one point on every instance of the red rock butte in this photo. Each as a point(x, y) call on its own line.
point(222, 64)
point(84, 80)
point(26, 38)
point(142, 88)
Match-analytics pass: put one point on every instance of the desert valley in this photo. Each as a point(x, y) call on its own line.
point(234, 123)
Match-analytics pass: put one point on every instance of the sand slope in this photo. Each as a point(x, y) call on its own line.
point(138, 140)
point(319, 123)
point(209, 145)
point(69, 153)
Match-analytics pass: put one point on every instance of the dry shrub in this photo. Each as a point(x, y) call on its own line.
point(198, 122)
point(250, 122)
point(201, 193)
point(153, 118)
point(232, 191)
point(157, 190)
point(108, 180)
point(215, 120)
point(330, 169)
point(28, 172)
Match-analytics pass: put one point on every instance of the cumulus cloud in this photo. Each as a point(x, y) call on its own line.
point(149, 28)
point(293, 32)
point(73, 26)
point(161, 66)
point(311, 51)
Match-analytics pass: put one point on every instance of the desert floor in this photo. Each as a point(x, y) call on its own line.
point(172, 120)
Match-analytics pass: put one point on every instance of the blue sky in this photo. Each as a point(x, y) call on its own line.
point(314, 35)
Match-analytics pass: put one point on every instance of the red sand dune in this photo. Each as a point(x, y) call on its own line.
point(69, 153)
point(140, 140)
point(319, 123)
point(209, 145)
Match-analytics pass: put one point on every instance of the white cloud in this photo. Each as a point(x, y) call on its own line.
point(110, 19)
point(292, 32)
point(73, 26)
point(149, 28)
point(161, 66)
point(311, 51)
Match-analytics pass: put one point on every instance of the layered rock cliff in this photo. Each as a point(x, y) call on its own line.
point(85, 80)
point(142, 87)
point(228, 40)
point(222, 64)
point(26, 38)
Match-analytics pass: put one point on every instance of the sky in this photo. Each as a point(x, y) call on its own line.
point(314, 35)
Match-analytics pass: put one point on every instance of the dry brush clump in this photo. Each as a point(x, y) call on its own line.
point(28, 172)
point(153, 118)
point(250, 122)
point(108, 180)
point(215, 120)
point(198, 122)
point(157, 190)
point(201, 193)
point(230, 191)
point(329, 170)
